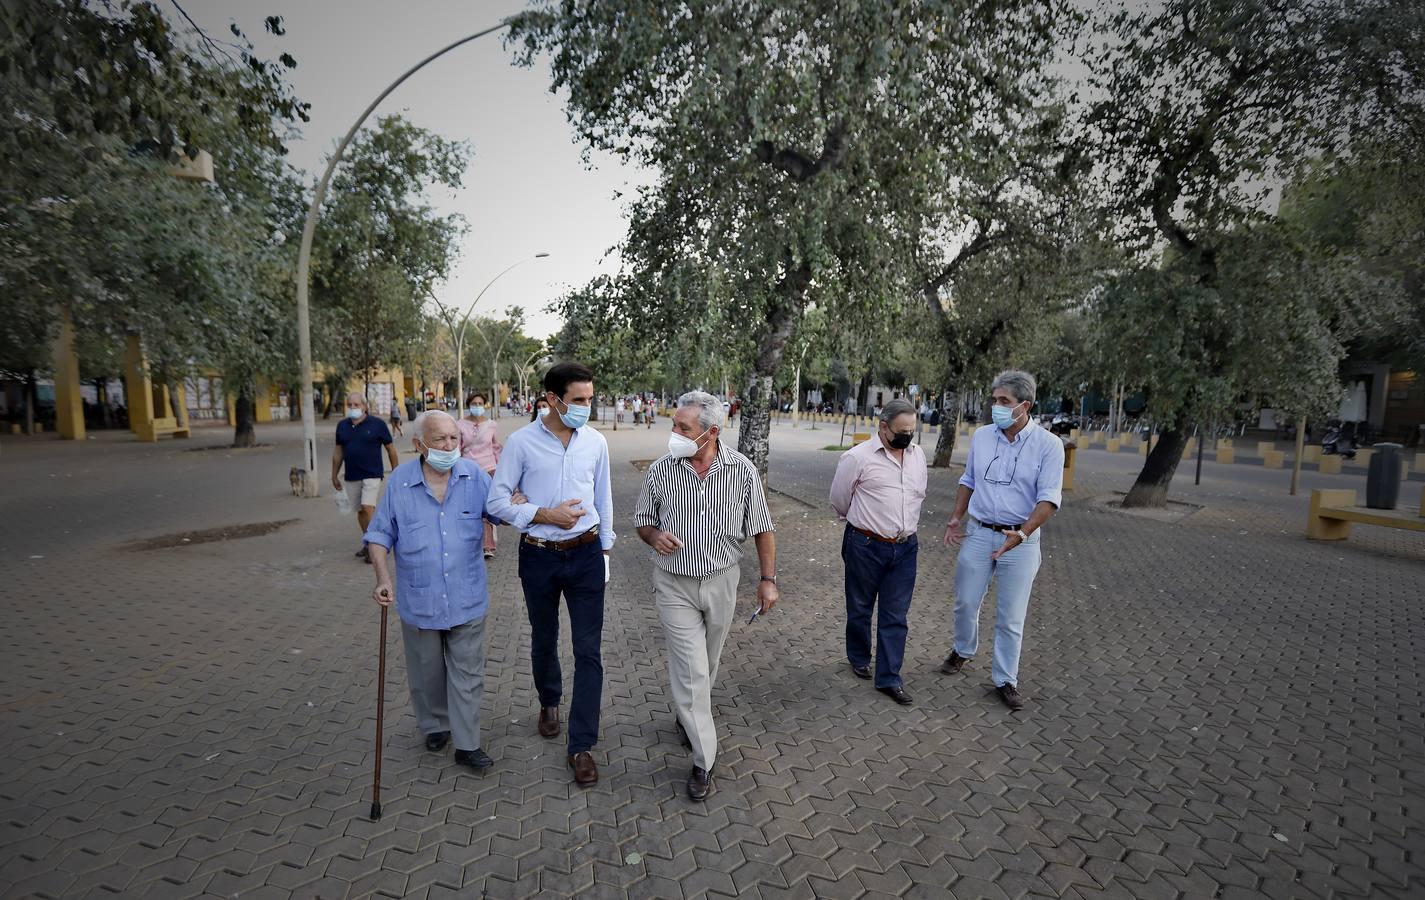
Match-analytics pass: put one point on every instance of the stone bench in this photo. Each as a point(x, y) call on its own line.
point(1334, 511)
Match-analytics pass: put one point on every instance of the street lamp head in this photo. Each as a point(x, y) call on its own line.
point(541, 255)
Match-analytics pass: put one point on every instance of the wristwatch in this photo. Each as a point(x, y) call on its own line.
point(771, 578)
point(1020, 532)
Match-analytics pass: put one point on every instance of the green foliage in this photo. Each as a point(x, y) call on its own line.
point(799, 147)
point(380, 248)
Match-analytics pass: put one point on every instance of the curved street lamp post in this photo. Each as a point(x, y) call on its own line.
point(457, 332)
point(312, 486)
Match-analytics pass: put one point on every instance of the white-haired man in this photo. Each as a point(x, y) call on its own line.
point(699, 502)
point(432, 521)
point(1012, 484)
point(359, 439)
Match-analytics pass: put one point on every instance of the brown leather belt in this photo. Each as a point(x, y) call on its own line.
point(1001, 528)
point(876, 537)
point(587, 537)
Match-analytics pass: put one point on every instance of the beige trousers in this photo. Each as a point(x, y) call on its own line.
point(696, 614)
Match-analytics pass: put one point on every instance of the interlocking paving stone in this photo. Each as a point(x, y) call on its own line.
point(1198, 691)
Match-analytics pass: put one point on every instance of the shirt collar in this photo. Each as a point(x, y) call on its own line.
point(574, 432)
point(1029, 426)
point(461, 469)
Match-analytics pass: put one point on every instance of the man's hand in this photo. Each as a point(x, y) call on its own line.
point(768, 594)
point(1010, 542)
point(518, 499)
point(565, 515)
point(336, 482)
point(954, 534)
point(666, 544)
point(383, 594)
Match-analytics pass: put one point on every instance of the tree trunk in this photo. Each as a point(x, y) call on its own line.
point(32, 394)
point(245, 417)
point(1151, 488)
point(756, 428)
point(949, 418)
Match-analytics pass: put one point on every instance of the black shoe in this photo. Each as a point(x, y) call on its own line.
point(861, 671)
point(897, 694)
point(700, 784)
point(683, 733)
point(476, 759)
point(1011, 696)
point(436, 741)
point(363, 554)
point(953, 664)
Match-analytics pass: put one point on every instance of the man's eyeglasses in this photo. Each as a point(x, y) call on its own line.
point(1000, 468)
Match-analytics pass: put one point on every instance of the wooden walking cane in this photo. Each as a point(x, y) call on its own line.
point(380, 714)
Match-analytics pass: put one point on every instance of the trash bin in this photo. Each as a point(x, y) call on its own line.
point(1383, 477)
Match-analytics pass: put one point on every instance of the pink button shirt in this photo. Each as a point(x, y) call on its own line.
point(875, 492)
point(479, 443)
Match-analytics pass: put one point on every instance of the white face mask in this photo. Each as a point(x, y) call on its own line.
point(680, 447)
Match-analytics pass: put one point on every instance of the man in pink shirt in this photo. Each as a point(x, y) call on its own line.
point(878, 489)
point(480, 443)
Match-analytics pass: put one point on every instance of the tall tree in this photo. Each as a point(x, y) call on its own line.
point(789, 139)
point(381, 248)
point(1197, 108)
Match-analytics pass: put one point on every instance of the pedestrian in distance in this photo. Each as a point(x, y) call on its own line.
point(878, 489)
point(1012, 485)
point(561, 465)
point(396, 419)
point(540, 410)
point(480, 443)
point(430, 522)
point(699, 503)
point(359, 441)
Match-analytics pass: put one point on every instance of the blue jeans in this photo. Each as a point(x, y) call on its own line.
point(884, 573)
point(578, 574)
point(1014, 573)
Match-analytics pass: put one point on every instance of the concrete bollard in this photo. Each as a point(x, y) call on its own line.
point(1265, 447)
point(1311, 455)
point(1226, 454)
point(1273, 459)
point(1329, 465)
point(1111, 445)
point(1363, 458)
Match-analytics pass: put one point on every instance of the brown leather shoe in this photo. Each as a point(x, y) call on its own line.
point(700, 784)
point(549, 722)
point(585, 771)
point(953, 664)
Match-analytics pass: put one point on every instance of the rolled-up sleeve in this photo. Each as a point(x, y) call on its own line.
point(382, 529)
point(968, 478)
point(844, 483)
point(499, 502)
point(604, 499)
point(646, 513)
point(1051, 473)
point(757, 518)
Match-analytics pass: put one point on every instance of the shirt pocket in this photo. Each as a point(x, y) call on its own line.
point(415, 555)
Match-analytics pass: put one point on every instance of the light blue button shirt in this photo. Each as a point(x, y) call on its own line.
point(1009, 478)
point(538, 465)
point(438, 548)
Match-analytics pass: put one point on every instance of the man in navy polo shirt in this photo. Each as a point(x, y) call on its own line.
point(359, 439)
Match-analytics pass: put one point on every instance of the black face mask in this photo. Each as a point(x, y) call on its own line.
point(900, 440)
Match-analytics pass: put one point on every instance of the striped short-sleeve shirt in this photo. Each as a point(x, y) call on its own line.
point(712, 516)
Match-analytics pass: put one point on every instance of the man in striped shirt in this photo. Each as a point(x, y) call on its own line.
point(698, 504)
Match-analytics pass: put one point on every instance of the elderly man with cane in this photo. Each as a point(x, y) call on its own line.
point(698, 504)
point(431, 519)
point(1012, 484)
point(878, 489)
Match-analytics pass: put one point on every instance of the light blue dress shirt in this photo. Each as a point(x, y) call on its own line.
point(438, 548)
point(538, 465)
point(1009, 478)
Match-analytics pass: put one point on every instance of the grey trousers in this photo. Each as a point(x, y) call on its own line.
point(446, 672)
point(696, 614)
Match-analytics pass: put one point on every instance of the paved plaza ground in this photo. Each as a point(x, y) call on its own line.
point(1217, 707)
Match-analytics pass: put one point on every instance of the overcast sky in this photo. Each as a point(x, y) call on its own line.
point(526, 189)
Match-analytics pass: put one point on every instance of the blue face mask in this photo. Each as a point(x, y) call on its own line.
point(477, 411)
point(441, 460)
point(1003, 416)
point(354, 413)
point(574, 416)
